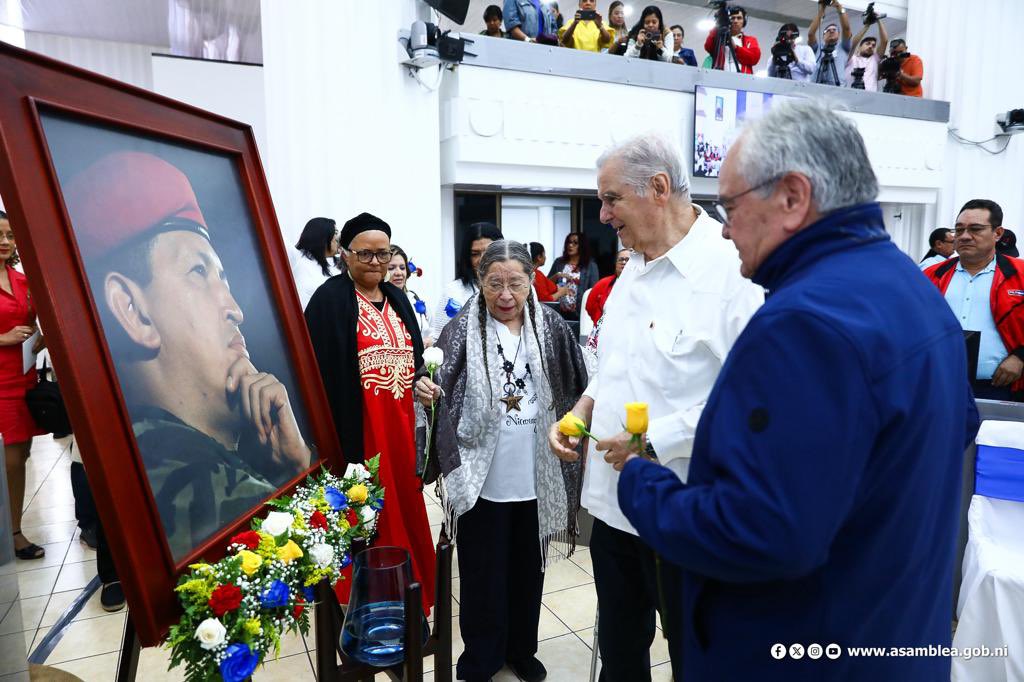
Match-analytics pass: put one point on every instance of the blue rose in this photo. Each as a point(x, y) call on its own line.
point(239, 663)
point(412, 268)
point(421, 307)
point(276, 595)
point(377, 503)
point(453, 308)
point(308, 593)
point(346, 560)
point(335, 498)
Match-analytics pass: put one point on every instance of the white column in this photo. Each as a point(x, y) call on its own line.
point(971, 61)
point(347, 129)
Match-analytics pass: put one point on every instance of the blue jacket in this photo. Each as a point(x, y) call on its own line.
point(822, 498)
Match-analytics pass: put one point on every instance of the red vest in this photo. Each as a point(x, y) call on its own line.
point(1006, 300)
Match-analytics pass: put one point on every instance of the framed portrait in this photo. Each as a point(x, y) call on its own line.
point(163, 289)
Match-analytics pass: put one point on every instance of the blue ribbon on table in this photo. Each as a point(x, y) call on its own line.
point(999, 472)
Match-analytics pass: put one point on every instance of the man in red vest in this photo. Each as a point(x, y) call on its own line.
point(985, 289)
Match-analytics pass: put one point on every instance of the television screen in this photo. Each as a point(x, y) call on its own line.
point(719, 115)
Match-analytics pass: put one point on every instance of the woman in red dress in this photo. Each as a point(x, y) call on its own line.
point(368, 346)
point(17, 324)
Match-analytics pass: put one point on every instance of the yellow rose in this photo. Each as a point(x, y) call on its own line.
point(571, 425)
point(357, 493)
point(289, 552)
point(636, 418)
point(251, 561)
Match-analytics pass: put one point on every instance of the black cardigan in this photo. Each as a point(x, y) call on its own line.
point(332, 317)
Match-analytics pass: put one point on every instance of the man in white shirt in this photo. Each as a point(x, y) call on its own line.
point(666, 330)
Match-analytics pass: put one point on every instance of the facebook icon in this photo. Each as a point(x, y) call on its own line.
point(778, 651)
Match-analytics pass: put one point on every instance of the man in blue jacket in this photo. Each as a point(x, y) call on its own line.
point(821, 506)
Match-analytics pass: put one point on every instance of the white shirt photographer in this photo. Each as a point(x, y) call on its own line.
point(665, 332)
point(870, 66)
point(668, 48)
point(800, 70)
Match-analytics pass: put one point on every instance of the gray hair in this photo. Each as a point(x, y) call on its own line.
point(643, 157)
point(806, 136)
point(505, 250)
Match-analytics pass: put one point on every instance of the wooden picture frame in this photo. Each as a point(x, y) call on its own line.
point(53, 116)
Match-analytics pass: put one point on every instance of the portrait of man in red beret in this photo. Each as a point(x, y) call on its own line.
point(209, 424)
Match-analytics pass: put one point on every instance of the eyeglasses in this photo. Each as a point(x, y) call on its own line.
point(516, 288)
point(975, 229)
point(720, 205)
point(622, 260)
point(366, 256)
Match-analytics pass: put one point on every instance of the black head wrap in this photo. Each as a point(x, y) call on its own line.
point(364, 222)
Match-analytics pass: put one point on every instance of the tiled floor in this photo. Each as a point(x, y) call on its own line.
point(89, 647)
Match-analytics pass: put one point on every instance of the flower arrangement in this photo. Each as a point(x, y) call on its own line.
point(237, 609)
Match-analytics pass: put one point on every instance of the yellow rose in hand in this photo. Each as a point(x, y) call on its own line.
point(571, 425)
point(357, 493)
point(636, 418)
point(251, 561)
point(289, 552)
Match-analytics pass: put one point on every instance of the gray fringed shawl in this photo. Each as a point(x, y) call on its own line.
point(469, 417)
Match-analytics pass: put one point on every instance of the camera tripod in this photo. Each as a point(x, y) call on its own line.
point(724, 37)
point(826, 66)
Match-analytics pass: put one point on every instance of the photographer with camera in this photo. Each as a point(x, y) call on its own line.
point(834, 51)
point(650, 39)
point(739, 53)
point(587, 30)
point(790, 59)
point(868, 55)
point(901, 70)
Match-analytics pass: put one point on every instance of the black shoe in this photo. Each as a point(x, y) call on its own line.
point(88, 536)
point(529, 669)
point(112, 597)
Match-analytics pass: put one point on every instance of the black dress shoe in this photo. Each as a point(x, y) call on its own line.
point(112, 597)
point(529, 669)
point(88, 536)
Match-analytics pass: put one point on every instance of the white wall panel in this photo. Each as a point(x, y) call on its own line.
point(128, 62)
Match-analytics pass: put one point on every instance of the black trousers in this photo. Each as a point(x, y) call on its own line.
point(85, 512)
point(500, 582)
point(985, 390)
point(631, 585)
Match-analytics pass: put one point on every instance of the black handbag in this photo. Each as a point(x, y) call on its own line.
point(46, 404)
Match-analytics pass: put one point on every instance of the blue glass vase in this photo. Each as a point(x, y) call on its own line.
point(374, 629)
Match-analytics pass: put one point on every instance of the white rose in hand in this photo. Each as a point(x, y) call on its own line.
point(210, 633)
point(357, 471)
point(322, 554)
point(277, 523)
point(433, 357)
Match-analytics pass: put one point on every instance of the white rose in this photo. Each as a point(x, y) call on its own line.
point(357, 471)
point(277, 523)
point(210, 633)
point(368, 513)
point(322, 554)
point(433, 356)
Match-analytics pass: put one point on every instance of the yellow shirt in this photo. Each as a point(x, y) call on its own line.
point(587, 36)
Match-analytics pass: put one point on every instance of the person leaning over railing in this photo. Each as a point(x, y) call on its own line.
point(527, 20)
point(492, 20)
point(617, 25)
point(683, 55)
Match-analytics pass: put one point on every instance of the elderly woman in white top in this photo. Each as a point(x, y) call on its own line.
point(511, 369)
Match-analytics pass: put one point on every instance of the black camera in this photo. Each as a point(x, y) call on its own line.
point(653, 36)
point(870, 16)
point(889, 69)
point(587, 14)
point(782, 50)
point(858, 79)
point(721, 8)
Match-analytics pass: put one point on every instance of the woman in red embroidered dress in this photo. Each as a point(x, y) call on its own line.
point(368, 345)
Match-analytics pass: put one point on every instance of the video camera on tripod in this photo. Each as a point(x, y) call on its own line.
point(889, 69)
point(723, 33)
point(783, 53)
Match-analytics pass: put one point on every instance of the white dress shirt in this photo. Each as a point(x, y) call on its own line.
point(666, 330)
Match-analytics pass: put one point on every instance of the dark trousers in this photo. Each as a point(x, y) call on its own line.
point(85, 512)
point(984, 390)
point(631, 584)
point(500, 582)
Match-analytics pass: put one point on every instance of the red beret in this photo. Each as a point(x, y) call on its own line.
point(128, 195)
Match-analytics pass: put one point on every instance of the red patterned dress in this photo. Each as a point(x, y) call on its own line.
point(386, 369)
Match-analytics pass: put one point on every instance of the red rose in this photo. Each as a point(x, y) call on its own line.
point(351, 517)
point(299, 600)
point(318, 520)
point(250, 538)
point(225, 598)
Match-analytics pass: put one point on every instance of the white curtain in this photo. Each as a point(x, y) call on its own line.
point(971, 61)
point(216, 29)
